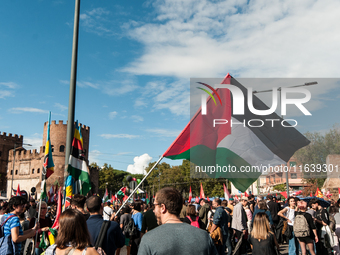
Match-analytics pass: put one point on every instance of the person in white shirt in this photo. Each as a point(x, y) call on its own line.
point(107, 212)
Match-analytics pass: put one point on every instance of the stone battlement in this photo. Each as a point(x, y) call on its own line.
point(10, 136)
point(25, 154)
point(60, 122)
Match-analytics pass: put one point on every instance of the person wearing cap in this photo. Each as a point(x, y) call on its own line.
point(203, 213)
point(239, 224)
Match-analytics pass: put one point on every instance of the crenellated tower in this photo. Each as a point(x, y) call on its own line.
point(29, 164)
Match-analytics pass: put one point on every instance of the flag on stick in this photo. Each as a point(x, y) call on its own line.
point(106, 196)
point(18, 191)
point(53, 231)
point(202, 192)
point(190, 195)
point(77, 167)
point(43, 194)
point(226, 192)
point(68, 191)
point(237, 146)
point(48, 160)
point(318, 193)
point(146, 198)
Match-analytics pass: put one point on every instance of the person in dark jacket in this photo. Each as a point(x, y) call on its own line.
point(114, 237)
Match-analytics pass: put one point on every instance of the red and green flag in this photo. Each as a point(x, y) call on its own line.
point(106, 196)
point(77, 166)
point(190, 195)
point(147, 198)
point(238, 146)
point(226, 192)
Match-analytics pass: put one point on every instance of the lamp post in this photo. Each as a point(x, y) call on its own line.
point(15, 146)
point(280, 89)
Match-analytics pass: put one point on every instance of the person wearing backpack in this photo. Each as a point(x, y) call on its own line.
point(113, 238)
point(304, 229)
point(11, 225)
point(220, 219)
point(137, 217)
point(192, 217)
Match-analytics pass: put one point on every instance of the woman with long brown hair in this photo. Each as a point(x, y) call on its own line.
point(261, 238)
point(72, 235)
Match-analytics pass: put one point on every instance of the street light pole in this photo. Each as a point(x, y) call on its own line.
point(15, 146)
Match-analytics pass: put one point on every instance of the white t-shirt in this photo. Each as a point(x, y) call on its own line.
point(107, 212)
point(290, 214)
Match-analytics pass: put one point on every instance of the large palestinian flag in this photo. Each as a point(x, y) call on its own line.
point(238, 145)
point(77, 166)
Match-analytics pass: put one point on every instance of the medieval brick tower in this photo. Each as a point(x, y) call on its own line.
point(7, 143)
point(28, 164)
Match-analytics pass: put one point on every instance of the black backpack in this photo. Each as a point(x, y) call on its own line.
point(130, 229)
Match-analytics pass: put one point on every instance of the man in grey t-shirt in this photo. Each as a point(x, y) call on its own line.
point(172, 236)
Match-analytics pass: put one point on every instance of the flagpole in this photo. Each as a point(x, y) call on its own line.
point(73, 79)
point(134, 191)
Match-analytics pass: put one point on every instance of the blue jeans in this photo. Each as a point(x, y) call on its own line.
point(293, 245)
point(228, 244)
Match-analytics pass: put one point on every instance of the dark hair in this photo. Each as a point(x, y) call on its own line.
point(191, 210)
point(137, 205)
point(218, 201)
point(333, 209)
point(78, 200)
point(171, 198)
point(314, 201)
point(72, 230)
point(126, 209)
point(262, 205)
point(224, 203)
point(15, 201)
point(93, 204)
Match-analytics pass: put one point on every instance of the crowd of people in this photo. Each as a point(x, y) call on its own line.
point(171, 225)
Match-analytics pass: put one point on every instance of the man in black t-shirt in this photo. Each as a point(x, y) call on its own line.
point(321, 219)
point(274, 208)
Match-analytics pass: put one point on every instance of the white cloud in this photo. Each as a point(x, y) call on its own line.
point(93, 156)
point(35, 140)
point(112, 115)
point(164, 132)
point(96, 21)
point(140, 163)
point(137, 118)
point(27, 109)
point(9, 91)
point(61, 107)
point(254, 39)
point(109, 136)
point(117, 88)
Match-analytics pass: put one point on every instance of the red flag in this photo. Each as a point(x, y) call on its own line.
point(197, 200)
point(318, 193)
point(208, 199)
point(56, 221)
point(190, 195)
point(202, 192)
point(125, 197)
point(246, 194)
point(284, 194)
point(123, 189)
point(236, 197)
point(226, 192)
point(18, 191)
point(311, 194)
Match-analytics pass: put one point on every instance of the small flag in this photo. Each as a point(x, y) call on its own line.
point(226, 192)
point(68, 191)
point(190, 195)
point(202, 192)
point(318, 193)
point(197, 199)
point(246, 194)
point(106, 196)
point(312, 194)
point(48, 160)
point(18, 191)
point(284, 194)
point(43, 194)
point(339, 192)
point(236, 197)
point(77, 166)
point(208, 199)
point(53, 231)
point(146, 198)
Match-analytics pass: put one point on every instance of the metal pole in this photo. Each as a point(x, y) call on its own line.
point(15, 145)
point(133, 192)
point(73, 79)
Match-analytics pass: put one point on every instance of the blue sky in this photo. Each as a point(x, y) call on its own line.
point(136, 58)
